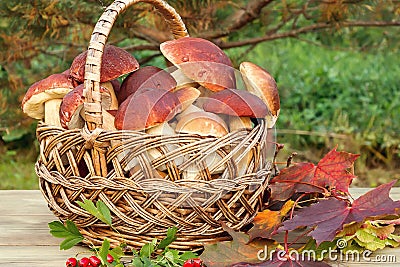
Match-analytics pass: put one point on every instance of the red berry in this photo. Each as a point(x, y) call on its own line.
point(110, 258)
point(71, 262)
point(84, 262)
point(188, 263)
point(197, 263)
point(94, 261)
point(193, 263)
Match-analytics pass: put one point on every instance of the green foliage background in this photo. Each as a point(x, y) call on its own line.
point(341, 87)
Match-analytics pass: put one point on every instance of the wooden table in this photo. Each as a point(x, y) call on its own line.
point(25, 239)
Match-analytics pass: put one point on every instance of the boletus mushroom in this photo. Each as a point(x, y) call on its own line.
point(260, 82)
point(43, 98)
point(146, 77)
point(201, 61)
point(146, 108)
point(115, 63)
point(72, 105)
point(240, 106)
point(204, 124)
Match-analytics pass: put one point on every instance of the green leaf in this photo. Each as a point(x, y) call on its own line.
point(57, 229)
point(148, 249)
point(101, 212)
point(188, 255)
point(369, 241)
point(137, 262)
point(71, 227)
point(117, 253)
point(105, 211)
point(171, 237)
point(147, 262)
point(69, 242)
point(169, 256)
point(69, 231)
point(104, 249)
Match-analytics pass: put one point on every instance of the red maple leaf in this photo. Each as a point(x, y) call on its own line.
point(329, 215)
point(331, 172)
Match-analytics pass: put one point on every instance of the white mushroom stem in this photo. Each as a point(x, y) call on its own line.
point(241, 161)
point(202, 123)
point(182, 80)
point(52, 111)
point(163, 129)
point(239, 123)
point(114, 100)
point(192, 171)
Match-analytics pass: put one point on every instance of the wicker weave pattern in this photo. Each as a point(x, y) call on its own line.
point(91, 163)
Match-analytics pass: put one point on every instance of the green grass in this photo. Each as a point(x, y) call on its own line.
point(17, 170)
point(351, 94)
point(355, 95)
point(336, 91)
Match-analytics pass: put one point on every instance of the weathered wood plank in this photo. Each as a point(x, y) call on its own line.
point(37, 255)
point(25, 239)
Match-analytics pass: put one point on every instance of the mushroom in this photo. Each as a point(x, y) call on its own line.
point(240, 123)
point(166, 130)
point(187, 96)
point(204, 124)
point(242, 161)
point(240, 106)
point(115, 63)
point(237, 103)
point(146, 77)
point(259, 82)
point(43, 98)
point(71, 109)
point(182, 80)
point(201, 61)
point(146, 108)
point(111, 91)
point(116, 85)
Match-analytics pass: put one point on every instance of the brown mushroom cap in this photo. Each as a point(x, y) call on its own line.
point(115, 63)
point(187, 96)
point(146, 77)
point(236, 103)
point(73, 103)
point(146, 108)
point(202, 123)
point(52, 87)
point(201, 61)
point(261, 83)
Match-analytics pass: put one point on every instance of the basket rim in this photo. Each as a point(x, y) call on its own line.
point(98, 39)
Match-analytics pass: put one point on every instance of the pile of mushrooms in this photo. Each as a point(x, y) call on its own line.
point(198, 95)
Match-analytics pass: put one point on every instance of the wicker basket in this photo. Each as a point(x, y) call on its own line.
point(144, 206)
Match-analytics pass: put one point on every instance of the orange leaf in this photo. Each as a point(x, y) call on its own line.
point(267, 221)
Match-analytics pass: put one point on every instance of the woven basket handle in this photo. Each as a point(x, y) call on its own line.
point(98, 40)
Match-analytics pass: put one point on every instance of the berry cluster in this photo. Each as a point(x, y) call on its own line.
point(93, 261)
point(193, 263)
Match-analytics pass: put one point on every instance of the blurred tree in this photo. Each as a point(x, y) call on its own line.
point(41, 37)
